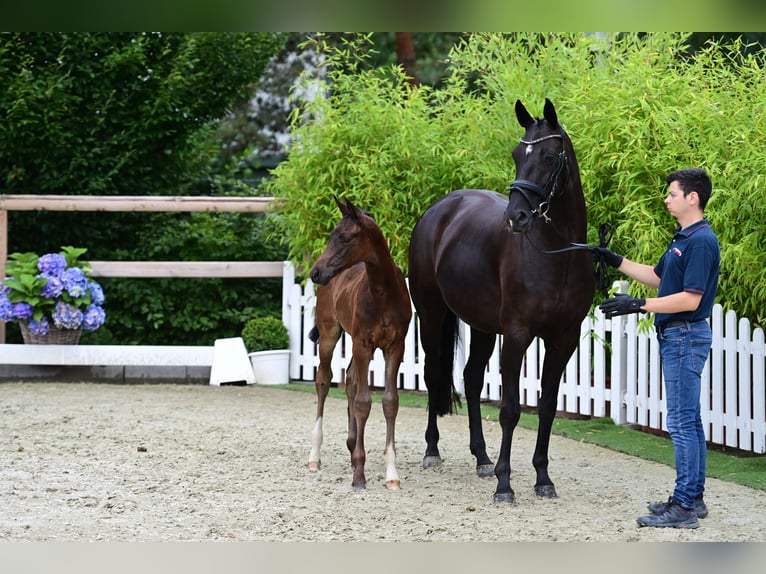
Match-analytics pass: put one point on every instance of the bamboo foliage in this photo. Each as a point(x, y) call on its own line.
point(635, 106)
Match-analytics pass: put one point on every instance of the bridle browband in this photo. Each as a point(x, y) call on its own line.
point(547, 192)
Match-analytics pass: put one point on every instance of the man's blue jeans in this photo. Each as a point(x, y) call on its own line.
point(684, 350)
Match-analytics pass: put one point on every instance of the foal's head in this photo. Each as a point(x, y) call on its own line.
point(351, 242)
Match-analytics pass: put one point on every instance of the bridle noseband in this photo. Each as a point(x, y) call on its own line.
point(550, 190)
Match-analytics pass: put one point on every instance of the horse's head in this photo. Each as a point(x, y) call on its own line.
point(349, 243)
point(542, 168)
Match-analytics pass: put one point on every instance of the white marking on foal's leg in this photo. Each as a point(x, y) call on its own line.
point(392, 477)
point(316, 445)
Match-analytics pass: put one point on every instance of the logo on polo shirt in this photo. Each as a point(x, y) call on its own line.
point(676, 251)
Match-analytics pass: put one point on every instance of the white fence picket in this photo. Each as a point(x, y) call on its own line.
point(615, 371)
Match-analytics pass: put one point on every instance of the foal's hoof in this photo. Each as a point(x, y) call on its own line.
point(392, 484)
point(359, 485)
point(485, 470)
point(314, 465)
point(546, 491)
point(505, 497)
point(432, 461)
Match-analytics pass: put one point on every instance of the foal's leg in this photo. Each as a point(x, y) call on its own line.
point(390, 410)
point(482, 345)
point(327, 340)
point(360, 411)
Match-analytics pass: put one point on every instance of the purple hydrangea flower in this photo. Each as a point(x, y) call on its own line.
point(53, 288)
point(6, 308)
point(52, 264)
point(96, 293)
point(93, 318)
point(66, 316)
point(23, 311)
point(75, 282)
point(40, 327)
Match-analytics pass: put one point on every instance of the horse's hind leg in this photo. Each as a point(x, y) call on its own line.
point(482, 345)
point(437, 335)
point(327, 341)
point(390, 410)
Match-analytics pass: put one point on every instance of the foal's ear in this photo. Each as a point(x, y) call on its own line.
point(525, 119)
point(348, 209)
point(549, 113)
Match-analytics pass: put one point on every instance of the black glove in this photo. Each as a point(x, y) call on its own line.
point(612, 259)
point(622, 304)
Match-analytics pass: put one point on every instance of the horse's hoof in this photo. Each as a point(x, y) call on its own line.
point(392, 484)
point(432, 461)
point(359, 485)
point(485, 470)
point(546, 491)
point(314, 465)
point(505, 497)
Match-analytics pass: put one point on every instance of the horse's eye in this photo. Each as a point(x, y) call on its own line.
point(550, 156)
point(344, 237)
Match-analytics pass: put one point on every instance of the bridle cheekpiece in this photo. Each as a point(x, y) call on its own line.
point(545, 193)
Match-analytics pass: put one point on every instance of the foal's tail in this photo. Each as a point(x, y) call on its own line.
point(443, 398)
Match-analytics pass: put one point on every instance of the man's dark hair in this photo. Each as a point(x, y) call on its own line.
point(693, 179)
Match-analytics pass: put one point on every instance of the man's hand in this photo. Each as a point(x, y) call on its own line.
point(622, 304)
point(610, 257)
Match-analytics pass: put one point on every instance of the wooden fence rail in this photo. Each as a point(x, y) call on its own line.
point(146, 203)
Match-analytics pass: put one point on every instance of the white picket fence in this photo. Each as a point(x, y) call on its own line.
point(609, 375)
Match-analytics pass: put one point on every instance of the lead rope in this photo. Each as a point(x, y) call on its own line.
point(601, 270)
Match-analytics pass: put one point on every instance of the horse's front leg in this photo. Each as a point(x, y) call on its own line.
point(482, 345)
point(556, 359)
point(360, 412)
point(390, 410)
point(327, 343)
point(510, 412)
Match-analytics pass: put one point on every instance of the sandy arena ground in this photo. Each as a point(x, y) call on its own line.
point(104, 462)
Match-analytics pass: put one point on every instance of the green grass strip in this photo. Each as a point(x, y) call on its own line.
point(737, 467)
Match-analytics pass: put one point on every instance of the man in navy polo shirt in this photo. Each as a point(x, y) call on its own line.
point(686, 278)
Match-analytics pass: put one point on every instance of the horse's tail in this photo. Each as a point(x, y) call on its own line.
point(442, 396)
point(314, 334)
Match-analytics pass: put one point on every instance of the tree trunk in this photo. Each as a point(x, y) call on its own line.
point(405, 55)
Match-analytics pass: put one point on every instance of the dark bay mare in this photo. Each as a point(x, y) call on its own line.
point(507, 266)
point(360, 291)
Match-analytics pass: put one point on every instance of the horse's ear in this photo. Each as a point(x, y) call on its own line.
point(340, 204)
point(549, 113)
point(525, 119)
point(353, 211)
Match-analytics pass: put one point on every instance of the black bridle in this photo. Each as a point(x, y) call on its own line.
point(551, 188)
point(547, 193)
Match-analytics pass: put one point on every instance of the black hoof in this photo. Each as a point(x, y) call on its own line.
point(431, 461)
point(485, 470)
point(546, 491)
point(505, 497)
point(359, 485)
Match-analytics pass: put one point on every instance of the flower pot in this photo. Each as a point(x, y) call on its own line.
point(271, 367)
point(55, 336)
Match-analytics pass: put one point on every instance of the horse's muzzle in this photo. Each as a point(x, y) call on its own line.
point(318, 277)
point(518, 221)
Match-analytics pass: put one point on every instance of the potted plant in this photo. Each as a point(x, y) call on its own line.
point(267, 342)
point(51, 297)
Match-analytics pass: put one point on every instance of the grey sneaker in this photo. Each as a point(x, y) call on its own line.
point(700, 508)
point(674, 516)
